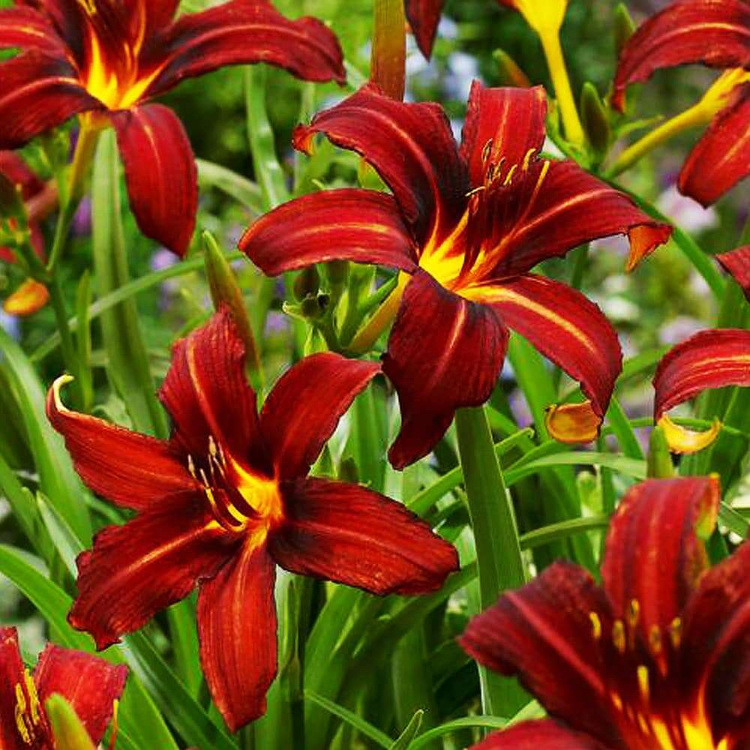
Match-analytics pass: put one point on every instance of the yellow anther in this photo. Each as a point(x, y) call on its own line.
point(618, 635)
point(675, 632)
point(596, 625)
point(527, 159)
point(643, 682)
point(475, 191)
point(191, 467)
point(33, 698)
point(22, 723)
point(212, 446)
point(509, 176)
point(486, 150)
point(634, 612)
point(654, 639)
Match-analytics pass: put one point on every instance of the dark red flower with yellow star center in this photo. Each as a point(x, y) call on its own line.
point(465, 226)
point(109, 57)
point(89, 684)
point(228, 498)
point(657, 658)
point(715, 33)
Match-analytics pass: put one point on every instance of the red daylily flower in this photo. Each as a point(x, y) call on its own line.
point(88, 683)
point(109, 57)
point(709, 359)
point(465, 226)
point(39, 198)
point(656, 658)
point(715, 33)
point(225, 500)
point(737, 263)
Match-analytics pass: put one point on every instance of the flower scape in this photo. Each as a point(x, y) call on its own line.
point(374, 374)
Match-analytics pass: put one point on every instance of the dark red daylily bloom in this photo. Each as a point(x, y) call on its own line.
point(715, 33)
point(737, 263)
point(109, 57)
point(465, 226)
point(657, 658)
point(228, 498)
point(709, 359)
point(88, 683)
point(39, 198)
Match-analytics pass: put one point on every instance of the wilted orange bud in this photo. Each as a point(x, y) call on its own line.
point(30, 297)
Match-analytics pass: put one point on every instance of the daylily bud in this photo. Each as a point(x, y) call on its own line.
point(67, 729)
point(348, 471)
point(622, 28)
point(659, 465)
point(388, 60)
point(313, 308)
point(307, 283)
point(29, 298)
point(510, 73)
point(594, 118)
point(225, 290)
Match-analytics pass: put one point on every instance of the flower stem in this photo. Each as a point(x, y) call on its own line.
point(693, 117)
point(388, 61)
point(495, 534)
point(57, 300)
point(71, 197)
point(561, 83)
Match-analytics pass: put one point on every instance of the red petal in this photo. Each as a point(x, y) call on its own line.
point(502, 123)
point(716, 644)
point(88, 683)
point(424, 17)
point(722, 157)
point(709, 359)
point(158, 13)
point(548, 210)
point(237, 629)
point(444, 353)
point(410, 145)
point(565, 326)
point(352, 535)
point(39, 93)
point(544, 633)
point(304, 408)
point(542, 734)
point(11, 674)
point(248, 31)
point(207, 394)
point(737, 263)
point(359, 225)
point(26, 29)
point(14, 168)
point(653, 555)
point(716, 34)
point(136, 570)
point(129, 469)
point(160, 172)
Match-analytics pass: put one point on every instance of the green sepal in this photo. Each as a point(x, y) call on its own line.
point(67, 728)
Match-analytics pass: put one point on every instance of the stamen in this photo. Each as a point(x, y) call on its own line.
point(542, 176)
point(675, 632)
point(509, 176)
point(476, 191)
point(643, 682)
point(654, 639)
point(618, 635)
point(191, 467)
point(596, 625)
point(33, 698)
point(633, 613)
point(486, 150)
point(527, 159)
point(22, 720)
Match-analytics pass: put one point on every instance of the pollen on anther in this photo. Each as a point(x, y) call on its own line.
point(634, 612)
point(527, 159)
point(618, 635)
point(643, 682)
point(675, 632)
point(654, 639)
point(596, 625)
point(486, 151)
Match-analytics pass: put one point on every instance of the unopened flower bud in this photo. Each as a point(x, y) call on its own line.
point(306, 284)
point(595, 118)
point(622, 28)
point(510, 73)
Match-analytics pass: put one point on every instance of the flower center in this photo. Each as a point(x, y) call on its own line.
point(111, 72)
point(646, 709)
point(240, 500)
point(493, 214)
